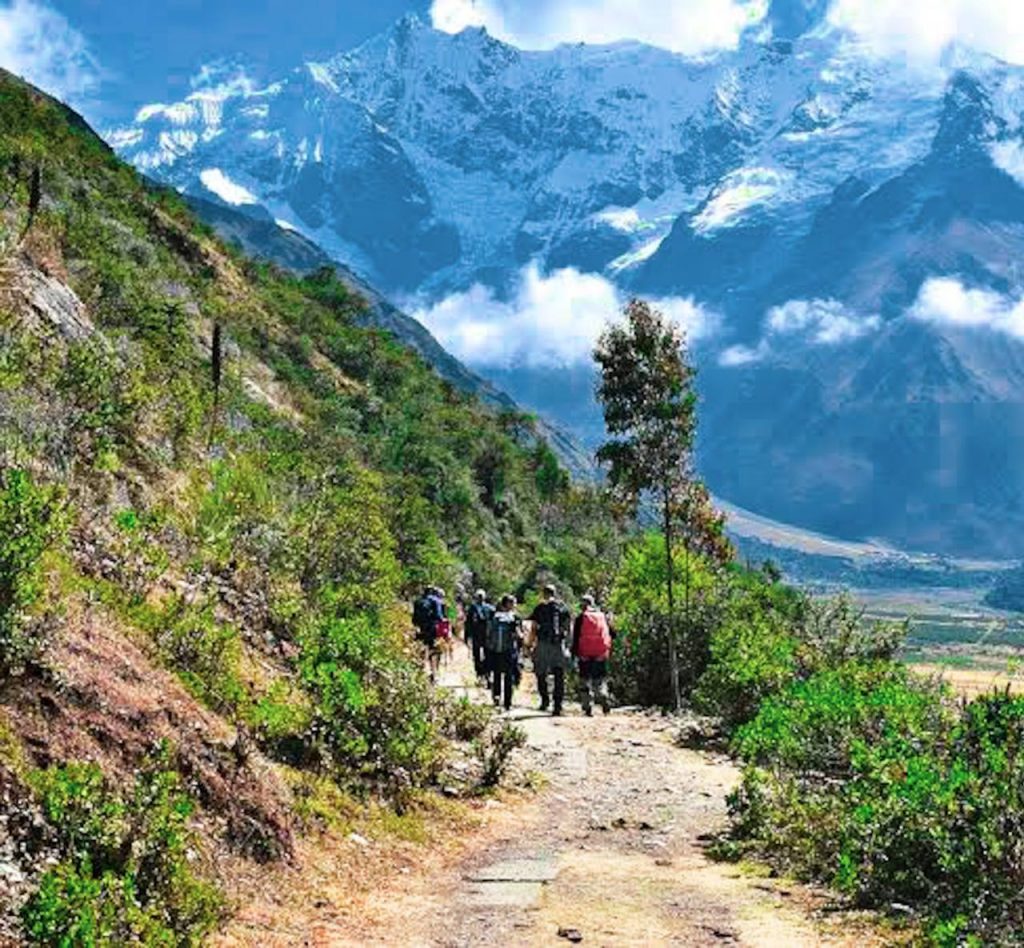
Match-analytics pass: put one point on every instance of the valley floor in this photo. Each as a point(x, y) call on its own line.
point(609, 846)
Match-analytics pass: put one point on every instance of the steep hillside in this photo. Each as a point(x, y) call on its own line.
point(217, 486)
point(846, 225)
point(262, 238)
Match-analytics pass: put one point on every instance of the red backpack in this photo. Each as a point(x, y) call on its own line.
point(595, 637)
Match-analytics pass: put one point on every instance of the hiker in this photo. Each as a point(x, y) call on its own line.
point(504, 637)
point(552, 622)
point(428, 615)
point(478, 621)
point(592, 647)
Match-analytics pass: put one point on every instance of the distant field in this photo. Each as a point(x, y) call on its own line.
point(975, 680)
point(941, 619)
point(955, 636)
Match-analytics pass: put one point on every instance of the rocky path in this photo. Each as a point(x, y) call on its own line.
point(609, 851)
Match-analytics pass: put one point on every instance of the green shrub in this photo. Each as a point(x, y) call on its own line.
point(495, 751)
point(640, 666)
point(867, 777)
point(373, 705)
point(126, 876)
point(205, 654)
point(32, 521)
point(462, 719)
point(752, 658)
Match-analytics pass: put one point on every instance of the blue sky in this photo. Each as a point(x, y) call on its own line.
point(148, 50)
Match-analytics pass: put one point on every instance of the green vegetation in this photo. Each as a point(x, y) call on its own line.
point(31, 524)
point(252, 483)
point(126, 876)
point(1008, 591)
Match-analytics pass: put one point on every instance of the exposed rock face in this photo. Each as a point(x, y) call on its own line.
point(45, 301)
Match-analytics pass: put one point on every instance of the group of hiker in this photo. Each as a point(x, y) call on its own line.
point(499, 638)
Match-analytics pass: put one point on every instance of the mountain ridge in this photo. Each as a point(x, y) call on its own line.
point(803, 194)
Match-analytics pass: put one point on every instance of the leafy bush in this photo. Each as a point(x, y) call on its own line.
point(32, 521)
point(869, 778)
point(640, 658)
point(126, 876)
point(204, 652)
point(373, 705)
point(751, 659)
point(462, 719)
point(495, 751)
point(814, 726)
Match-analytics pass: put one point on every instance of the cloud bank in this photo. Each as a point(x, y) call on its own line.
point(945, 301)
point(691, 27)
point(924, 29)
point(918, 29)
point(812, 322)
point(550, 320)
point(38, 44)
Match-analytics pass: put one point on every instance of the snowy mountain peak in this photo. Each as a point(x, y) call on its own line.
point(843, 232)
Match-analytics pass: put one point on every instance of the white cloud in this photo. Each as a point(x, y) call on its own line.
point(824, 322)
point(38, 44)
point(945, 301)
point(736, 356)
point(1009, 157)
point(813, 322)
point(918, 29)
point(550, 320)
point(220, 184)
point(924, 29)
point(692, 27)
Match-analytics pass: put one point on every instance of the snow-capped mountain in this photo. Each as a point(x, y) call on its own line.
point(849, 226)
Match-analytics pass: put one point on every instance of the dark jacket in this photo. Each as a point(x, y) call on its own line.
point(553, 620)
point(478, 619)
point(429, 611)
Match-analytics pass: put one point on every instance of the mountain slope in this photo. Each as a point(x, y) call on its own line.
point(832, 213)
point(217, 489)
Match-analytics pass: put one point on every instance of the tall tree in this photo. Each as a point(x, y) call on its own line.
point(650, 410)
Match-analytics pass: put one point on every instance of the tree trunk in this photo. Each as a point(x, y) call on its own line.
point(217, 373)
point(673, 655)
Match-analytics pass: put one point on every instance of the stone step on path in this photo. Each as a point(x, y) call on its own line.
point(516, 883)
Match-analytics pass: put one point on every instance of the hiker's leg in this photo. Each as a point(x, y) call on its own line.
point(559, 689)
point(509, 677)
point(586, 698)
point(496, 676)
point(542, 689)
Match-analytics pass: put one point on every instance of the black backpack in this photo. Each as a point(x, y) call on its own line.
point(501, 636)
point(477, 618)
point(422, 613)
point(552, 622)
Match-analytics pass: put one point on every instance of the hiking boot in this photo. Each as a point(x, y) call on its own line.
point(589, 712)
point(557, 713)
point(544, 706)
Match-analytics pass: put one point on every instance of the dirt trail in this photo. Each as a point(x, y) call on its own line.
point(610, 848)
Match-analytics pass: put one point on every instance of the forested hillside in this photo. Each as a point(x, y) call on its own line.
point(217, 491)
